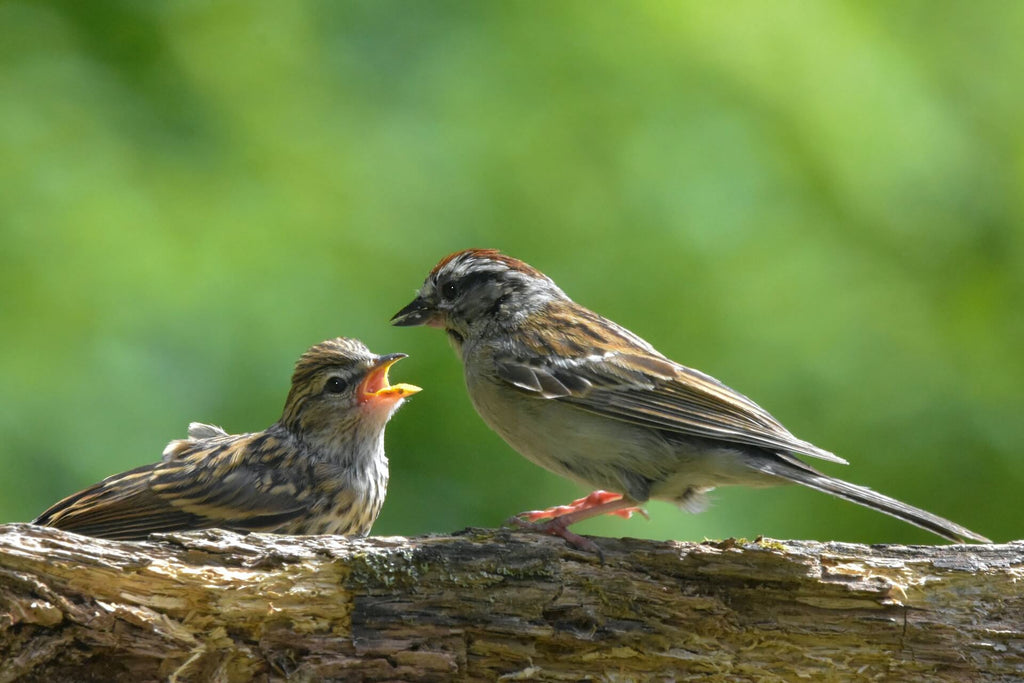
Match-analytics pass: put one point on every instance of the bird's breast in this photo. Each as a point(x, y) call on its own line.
point(591, 450)
point(345, 497)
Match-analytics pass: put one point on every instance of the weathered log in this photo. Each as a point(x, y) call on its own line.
point(501, 604)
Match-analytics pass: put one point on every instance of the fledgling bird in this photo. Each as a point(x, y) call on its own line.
point(320, 469)
point(589, 400)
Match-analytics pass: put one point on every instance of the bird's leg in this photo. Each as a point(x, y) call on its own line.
point(597, 503)
point(560, 517)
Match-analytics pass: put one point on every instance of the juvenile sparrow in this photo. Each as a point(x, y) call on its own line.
point(587, 399)
point(320, 469)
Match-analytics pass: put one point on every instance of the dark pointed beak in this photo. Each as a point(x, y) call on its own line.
point(418, 312)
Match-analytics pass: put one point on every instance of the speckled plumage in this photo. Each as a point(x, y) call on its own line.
point(320, 469)
point(587, 399)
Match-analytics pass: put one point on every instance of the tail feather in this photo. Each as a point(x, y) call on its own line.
point(801, 473)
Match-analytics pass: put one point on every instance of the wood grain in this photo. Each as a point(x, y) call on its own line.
point(502, 605)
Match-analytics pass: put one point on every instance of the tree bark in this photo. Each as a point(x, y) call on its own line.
point(502, 605)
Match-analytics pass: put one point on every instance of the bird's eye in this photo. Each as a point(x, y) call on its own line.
point(335, 385)
point(449, 291)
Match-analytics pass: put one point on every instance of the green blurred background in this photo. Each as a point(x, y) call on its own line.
point(820, 203)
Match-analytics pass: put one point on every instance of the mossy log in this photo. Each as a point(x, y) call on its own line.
point(502, 605)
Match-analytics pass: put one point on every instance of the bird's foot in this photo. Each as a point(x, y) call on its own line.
point(556, 527)
point(560, 517)
point(597, 503)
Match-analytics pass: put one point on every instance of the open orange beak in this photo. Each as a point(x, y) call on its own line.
point(375, 386)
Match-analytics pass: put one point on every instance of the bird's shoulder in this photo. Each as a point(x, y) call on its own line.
point(568, 350)
point(211, 444)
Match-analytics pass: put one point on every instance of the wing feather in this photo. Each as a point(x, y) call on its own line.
point(202, 487)
point(640, 386)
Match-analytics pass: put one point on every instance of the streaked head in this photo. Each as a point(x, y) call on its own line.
point(477, 287)
point(340, 384)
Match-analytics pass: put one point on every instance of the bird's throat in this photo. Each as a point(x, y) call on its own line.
point(455, 339)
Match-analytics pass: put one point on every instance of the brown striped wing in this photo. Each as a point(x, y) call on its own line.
point(205, 488)
point(621, 376)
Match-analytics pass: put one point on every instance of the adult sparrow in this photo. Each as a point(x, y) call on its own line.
point(320, 469)
point(587, 399)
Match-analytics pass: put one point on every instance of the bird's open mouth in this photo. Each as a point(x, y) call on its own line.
point(376, 387)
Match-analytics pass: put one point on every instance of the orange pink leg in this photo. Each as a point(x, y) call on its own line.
point(561, 516)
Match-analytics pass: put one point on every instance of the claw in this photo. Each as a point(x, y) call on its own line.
point(561, 516)
point(555, 527)
point(594, 500)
